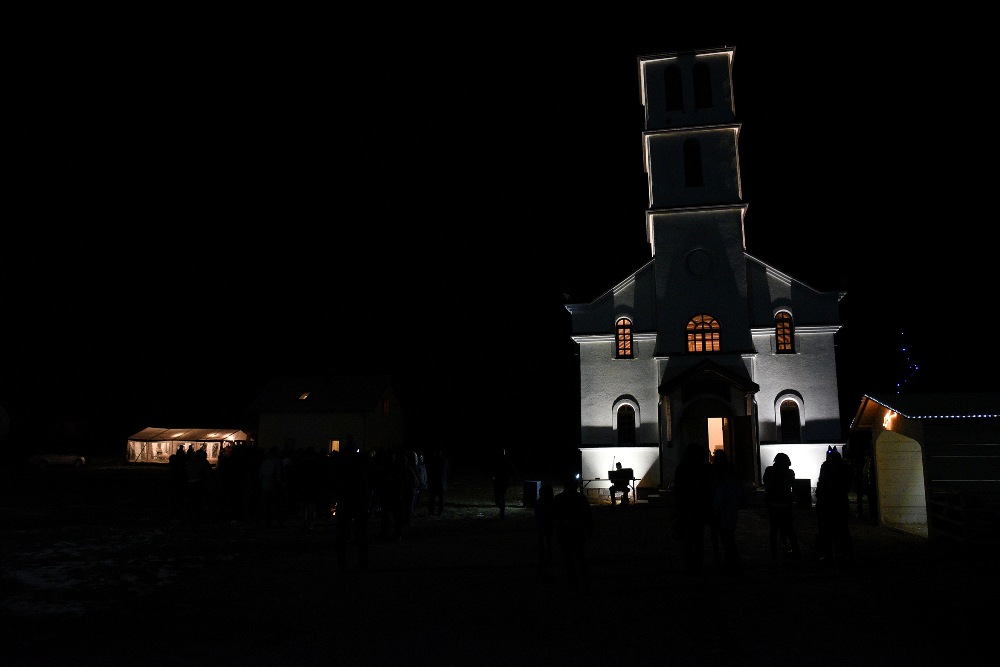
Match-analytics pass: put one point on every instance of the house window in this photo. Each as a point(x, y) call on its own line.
point(702, 86)
point(791, 424)
point(385, 407)
point(623, 329)
point(703, 334)
point(626, 425)
point(673, 91)
point(784, 331)
point(692, 163)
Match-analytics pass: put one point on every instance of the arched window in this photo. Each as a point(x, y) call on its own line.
point(626, 425)
point(784, 331)
point(702, 86)
point(703, 334)
point(692, 163)
point(623, 334)
point(673, 91)
point(791, 423)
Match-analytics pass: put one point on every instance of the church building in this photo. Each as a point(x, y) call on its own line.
point(704, 343)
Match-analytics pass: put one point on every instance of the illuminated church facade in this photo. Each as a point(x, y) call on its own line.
point(703, 343)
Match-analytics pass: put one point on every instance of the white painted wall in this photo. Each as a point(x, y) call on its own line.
point(595, 462)
point(806, 458)
point(902, 499)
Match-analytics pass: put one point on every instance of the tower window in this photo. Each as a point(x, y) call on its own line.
point(623, 333)
point(673, 90)
point(702, 86)
point(692, 163)
point(784, 331)
point(703, 334)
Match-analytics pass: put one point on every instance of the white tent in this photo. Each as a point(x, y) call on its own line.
point(156, 445)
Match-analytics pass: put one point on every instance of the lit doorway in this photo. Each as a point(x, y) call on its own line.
point(717, 429)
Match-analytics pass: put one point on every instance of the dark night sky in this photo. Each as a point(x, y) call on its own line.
point(195, 209)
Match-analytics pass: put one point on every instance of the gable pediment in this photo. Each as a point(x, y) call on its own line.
point(706, 376)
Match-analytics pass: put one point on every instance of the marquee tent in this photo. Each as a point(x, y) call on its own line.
point(156, 445)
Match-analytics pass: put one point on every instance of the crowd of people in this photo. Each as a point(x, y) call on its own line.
point(708, 497)
point(385, 488)
point(271, 486)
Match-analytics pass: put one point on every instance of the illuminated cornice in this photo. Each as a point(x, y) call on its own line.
point(646, 61)
point(610, 338)
point(934, 416)
point(804, 329)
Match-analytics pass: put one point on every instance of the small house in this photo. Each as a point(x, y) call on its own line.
point(326, 411)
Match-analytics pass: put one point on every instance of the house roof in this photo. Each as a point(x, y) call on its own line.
point(970, 405)
point(322, 393)
point(153, 434)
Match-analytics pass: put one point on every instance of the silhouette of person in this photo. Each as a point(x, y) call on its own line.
point(178, 483)
point(437, 480)
point(619, 484)
point(833, 508)
point(419, 466)
point(272, 488)
point(198, 471)
point(389, 475)
point(574, 524)
point(545, 526)
point(502, 472)
point(409, 477)
point(726, 502)
point(779, 496)
point(309, 474)
point(865, 487)
point(692, 502)
point(353, 485)
point(228, 472)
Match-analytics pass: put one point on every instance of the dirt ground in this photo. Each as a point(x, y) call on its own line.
point(94, 571)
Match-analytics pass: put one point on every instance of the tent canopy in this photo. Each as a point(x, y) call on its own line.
point(189, 434)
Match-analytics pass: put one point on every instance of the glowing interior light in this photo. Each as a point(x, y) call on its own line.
point(887, 420)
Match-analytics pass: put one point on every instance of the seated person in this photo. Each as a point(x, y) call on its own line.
point(620, 480)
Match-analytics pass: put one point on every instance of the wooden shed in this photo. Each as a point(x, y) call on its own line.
point(156, 445)
point(937, 462)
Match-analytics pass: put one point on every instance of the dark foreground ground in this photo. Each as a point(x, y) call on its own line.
point(95, 573)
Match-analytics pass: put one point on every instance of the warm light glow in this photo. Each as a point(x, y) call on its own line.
point(304, 396)
point(887, 420)
point(703, 334)
point(715, 430)
point(623, 328)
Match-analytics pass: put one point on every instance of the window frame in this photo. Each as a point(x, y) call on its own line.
point(784, 333)
point(624, 347)
point(702, 329)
